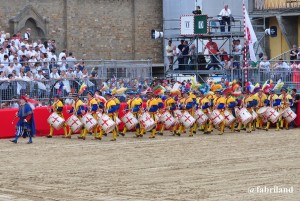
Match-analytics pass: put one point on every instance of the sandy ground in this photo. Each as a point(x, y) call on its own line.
point(204, 167)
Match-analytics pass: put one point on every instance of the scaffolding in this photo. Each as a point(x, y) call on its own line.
point(213, 32)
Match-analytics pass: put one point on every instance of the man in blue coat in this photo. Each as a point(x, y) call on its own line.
point(25, 126)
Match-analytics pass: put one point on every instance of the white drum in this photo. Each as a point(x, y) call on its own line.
point(254, 115)
point(216, 117)
point(245, 116)
point(237, 114)
point(118, 121)
point(106, 123)
point(272, 115)
point(262, 111)
point(157, 117)
point(89, 121)
point(147, 122)
point(74, 123)
point(289, 115)
point(229, 118)
point(177, 116)
point(129, 120)
point(201, 117)
point(56, 121)
point(187, 120)
point(167, 119)
point(99, 115)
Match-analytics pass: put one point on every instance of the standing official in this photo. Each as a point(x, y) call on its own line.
point(25, 126)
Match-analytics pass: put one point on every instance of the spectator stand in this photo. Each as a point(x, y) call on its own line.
point(91, 74)
point(201, 66)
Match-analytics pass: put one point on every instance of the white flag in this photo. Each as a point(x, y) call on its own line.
point(19, 87)
point(250, 36)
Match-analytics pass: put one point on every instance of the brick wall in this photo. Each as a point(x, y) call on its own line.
point(97, 29)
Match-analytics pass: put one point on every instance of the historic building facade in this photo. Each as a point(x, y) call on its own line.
point(91, 29)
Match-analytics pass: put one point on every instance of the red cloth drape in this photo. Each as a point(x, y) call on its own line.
point(297, 120)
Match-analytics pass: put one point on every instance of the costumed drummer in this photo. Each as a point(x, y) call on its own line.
point(261, 98)
point(160, 105)
point(186, 105)
point(133, 105)
point(25, 126)
point(274, 102)
point(204, 104)
point(78, 111)
point(57, 107)
point(230, 104)
point(254, 105)
point(194, 98)
point(286, 100)
point(92, 106)
point(110, 109)
point(170, 106)
point(219, 104)
point(246, 103)
point(151, 107)
point(117, 101)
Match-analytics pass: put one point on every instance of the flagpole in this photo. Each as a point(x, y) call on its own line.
point(245, 64)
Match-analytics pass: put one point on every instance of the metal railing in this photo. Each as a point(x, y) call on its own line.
point(104, 69)
point(285, 56)
point(43, 91)
point(276, 4)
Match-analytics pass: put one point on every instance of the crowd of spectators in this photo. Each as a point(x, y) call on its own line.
point(22, 58)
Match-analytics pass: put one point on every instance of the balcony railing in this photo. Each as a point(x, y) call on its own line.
point(276, 4)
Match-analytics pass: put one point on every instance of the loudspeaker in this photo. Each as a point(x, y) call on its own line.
point(156, 34)
point(272, 31)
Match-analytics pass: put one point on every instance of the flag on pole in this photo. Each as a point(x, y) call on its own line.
point(60, 89)
point(250, 35)
point(82, 88)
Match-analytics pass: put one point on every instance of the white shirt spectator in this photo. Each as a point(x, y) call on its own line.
point(78, 74)
point(22, 52)
point(71, 61)
point(70, 74)
point(62, 54)
point(169, 51)
point(62, 65)
point(54, 75)
point(265, 65)
point(1, 57)
point(39, 76)
point(226, 13)
point(17, 67)
point(52, 56)
point(10, 69)
point(5, 62)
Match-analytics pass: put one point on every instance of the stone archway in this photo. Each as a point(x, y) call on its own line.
point(36, 32)
point(30, 18)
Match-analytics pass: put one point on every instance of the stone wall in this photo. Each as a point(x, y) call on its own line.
point(93, 29)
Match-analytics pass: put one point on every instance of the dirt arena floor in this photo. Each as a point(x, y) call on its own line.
point(203, 167)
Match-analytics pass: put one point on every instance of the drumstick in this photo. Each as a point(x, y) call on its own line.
point(13, 120)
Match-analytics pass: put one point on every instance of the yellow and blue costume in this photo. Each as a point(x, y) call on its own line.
point(272, 101)
point(58, 108)
point(77, 108)
point(110, 108)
